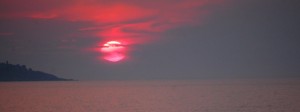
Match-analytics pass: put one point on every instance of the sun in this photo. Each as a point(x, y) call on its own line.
point(113, 51)
point(112, 43)
point(112, 46)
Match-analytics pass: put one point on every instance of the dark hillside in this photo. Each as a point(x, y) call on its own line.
point(10, 72)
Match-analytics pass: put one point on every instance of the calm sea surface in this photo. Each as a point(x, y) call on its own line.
point(152, 96)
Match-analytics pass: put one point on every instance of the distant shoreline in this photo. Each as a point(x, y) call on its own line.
point(20, 73)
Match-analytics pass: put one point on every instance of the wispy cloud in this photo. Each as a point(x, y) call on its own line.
point(130, 21)
point(128, 17)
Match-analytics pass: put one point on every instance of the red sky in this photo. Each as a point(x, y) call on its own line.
point(162, 36)
point(128, 21)
point(113, 18)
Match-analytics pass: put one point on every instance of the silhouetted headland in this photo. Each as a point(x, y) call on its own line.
point(10, 72)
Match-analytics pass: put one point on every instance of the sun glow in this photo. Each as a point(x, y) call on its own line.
point(113, 51)
point(119, 22)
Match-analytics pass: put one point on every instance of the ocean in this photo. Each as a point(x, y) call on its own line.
point(239, 95)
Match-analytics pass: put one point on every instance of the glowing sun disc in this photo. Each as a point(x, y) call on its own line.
point(113, 51)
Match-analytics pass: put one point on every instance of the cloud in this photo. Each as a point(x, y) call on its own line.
point(143, 15)
point(132, 21)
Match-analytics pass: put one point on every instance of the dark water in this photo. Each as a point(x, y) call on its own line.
point(152, 96)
